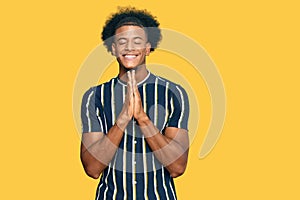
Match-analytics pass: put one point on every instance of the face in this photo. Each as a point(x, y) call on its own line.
point(130, 46)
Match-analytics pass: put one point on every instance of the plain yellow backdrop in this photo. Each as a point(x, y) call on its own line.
point(255, 45)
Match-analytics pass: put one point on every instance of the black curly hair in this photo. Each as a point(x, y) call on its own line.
point(131, 16)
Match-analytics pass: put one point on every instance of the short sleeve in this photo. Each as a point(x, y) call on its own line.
point(179, 108)
point(89, 116)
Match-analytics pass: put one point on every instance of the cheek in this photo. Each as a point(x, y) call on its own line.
point(117, 49)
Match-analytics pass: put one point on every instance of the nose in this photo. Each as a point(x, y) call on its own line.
point(129, 46)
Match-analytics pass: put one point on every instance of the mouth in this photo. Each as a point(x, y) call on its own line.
point(130, 56)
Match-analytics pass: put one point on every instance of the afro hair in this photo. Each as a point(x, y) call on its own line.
point(131, 16)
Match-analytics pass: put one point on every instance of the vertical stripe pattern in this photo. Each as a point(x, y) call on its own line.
point(134, 173)
point(88, 113)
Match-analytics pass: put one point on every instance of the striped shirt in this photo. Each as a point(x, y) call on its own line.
point(134, 172)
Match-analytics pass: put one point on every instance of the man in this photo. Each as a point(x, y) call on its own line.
point(134, 126)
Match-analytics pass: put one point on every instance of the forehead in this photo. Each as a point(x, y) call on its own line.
point(130, 31)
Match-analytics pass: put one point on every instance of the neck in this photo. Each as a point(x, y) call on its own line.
point(140, 73)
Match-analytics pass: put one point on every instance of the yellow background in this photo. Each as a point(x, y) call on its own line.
point(255, 45)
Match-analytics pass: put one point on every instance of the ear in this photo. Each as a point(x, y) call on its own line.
point(113, 49)
point(148, 48)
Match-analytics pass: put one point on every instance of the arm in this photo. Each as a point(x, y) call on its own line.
point(97, 148)
point(170, 148)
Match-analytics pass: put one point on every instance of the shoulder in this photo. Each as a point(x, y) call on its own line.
point(172, 86)
point(93, 89)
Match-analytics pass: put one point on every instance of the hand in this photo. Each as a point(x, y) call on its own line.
point(128, 106)
point(138, 110)
point(132, 106)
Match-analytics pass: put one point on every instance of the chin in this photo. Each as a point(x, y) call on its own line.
point(131, 66)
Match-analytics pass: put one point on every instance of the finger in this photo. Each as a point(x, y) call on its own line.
point(133, 78)
point(129, 81)
point(129, 77)
point(129, 85)
point(134, 84)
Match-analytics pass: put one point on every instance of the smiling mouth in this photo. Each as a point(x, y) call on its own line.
point(130, 56)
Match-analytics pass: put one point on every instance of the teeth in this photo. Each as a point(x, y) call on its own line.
point(130, 56)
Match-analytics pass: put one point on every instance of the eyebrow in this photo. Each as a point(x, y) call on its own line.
point(123, 38)
point(138, 37)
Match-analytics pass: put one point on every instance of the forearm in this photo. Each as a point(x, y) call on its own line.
point(97, 155)
point(169, 153)
point(172, 152)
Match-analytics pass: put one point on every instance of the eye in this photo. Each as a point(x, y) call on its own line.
point(138, 41)
point(122, 42)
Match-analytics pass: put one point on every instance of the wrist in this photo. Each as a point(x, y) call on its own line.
point(122, 122)
point(149, 130)
point(143, 120)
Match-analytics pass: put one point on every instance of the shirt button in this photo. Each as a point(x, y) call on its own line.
point(134, 162)
point(135, 141)
point(135, 182)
